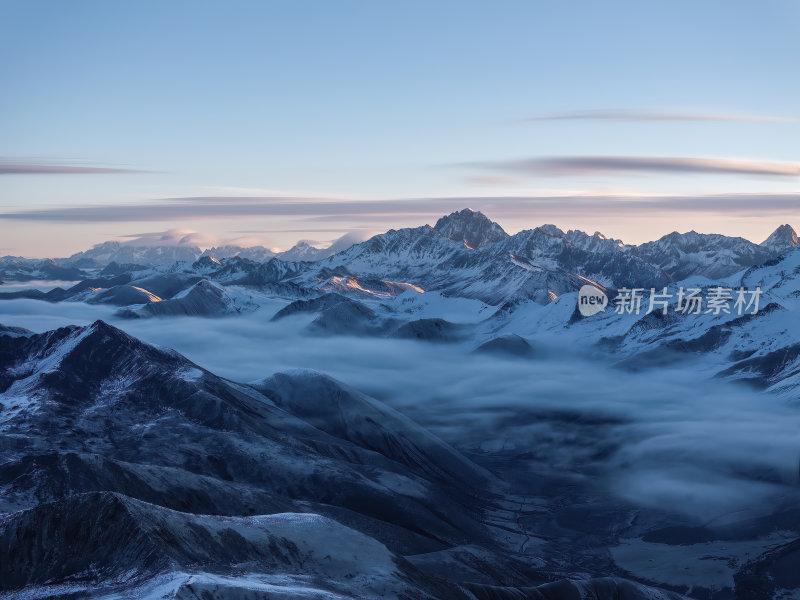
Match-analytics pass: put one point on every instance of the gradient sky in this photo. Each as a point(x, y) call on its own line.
point(275, 121)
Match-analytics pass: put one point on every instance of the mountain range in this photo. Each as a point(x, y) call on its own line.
point(402, 284)
point(464, 254)
point(128, 470)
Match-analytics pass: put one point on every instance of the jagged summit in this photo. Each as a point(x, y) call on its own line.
point(95, 334)
point(708, 254)
point(207, 262)
point(550, 229)
point(783, 238)
point(76, 360)
point(473, 228)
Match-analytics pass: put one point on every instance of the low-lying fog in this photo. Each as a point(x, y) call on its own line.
point(669, 438)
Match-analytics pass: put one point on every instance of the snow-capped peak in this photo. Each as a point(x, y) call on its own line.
point(471, 227)
point(551, 230)
point(783, 238)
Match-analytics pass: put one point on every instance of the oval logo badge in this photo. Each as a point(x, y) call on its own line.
point(591, 300)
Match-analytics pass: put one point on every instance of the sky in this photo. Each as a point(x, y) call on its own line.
point(270, 122)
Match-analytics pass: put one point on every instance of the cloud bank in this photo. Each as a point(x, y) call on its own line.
point(11, 167)
point(378, 211)
point(667, 438)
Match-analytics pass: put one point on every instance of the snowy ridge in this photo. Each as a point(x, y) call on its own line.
point(464, 255)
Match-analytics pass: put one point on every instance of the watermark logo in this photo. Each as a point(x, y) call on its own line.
point(591, 300)
point(688, 301)
point(714, 300)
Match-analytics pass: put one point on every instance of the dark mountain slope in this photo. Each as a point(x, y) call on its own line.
point(129, 415)
point(103, 438)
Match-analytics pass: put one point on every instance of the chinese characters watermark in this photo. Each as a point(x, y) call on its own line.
point(688, 301)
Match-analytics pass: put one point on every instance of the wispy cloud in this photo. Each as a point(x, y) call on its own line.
point(379, 211)
point(612, 165)
point(192, 238)
point(16, 167)
point(171, 237)
point(638, 114)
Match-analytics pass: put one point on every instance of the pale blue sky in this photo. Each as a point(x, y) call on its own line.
point(394, 101)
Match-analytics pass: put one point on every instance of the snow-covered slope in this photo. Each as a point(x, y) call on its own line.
point(538, 264)
point(761, 348)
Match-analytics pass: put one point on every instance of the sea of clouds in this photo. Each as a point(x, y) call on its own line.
point(670, 438)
